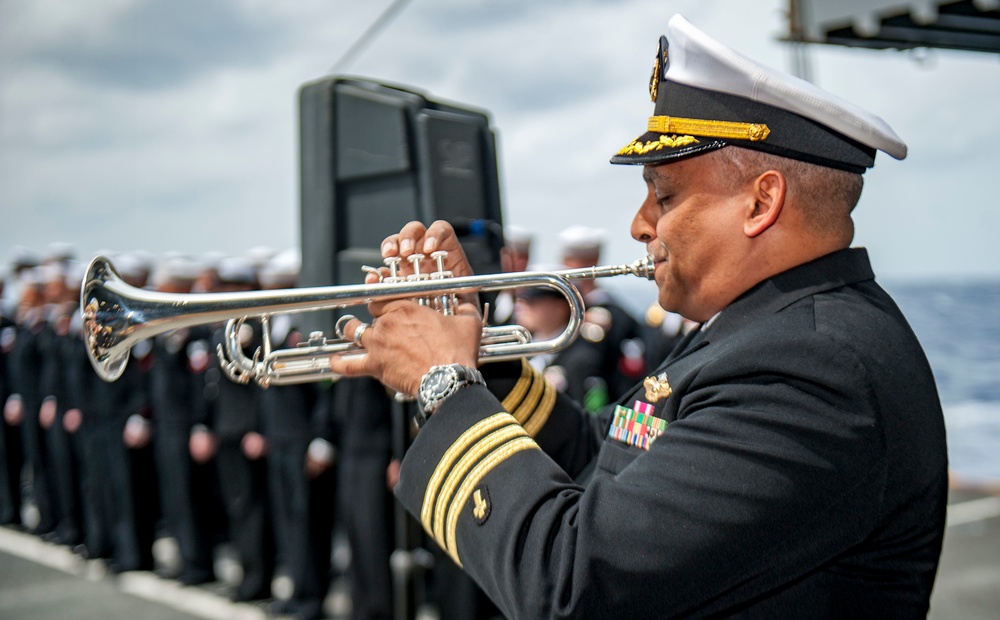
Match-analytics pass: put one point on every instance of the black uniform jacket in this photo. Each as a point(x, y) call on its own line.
point(802, 473)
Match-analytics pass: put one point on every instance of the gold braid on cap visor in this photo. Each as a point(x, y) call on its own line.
point(727, 130)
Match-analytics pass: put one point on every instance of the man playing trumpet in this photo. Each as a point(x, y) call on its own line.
point(786, 459)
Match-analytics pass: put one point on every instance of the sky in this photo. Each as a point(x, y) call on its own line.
point(171, 125)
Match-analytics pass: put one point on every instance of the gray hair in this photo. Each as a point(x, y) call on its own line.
point(825, 196)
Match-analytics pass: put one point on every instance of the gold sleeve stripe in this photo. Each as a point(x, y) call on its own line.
point(528, 374)
point(754, 132)
point(461, 444)
point(526, 408)
point(541, 414)
point(461, 498)
point(469, 460)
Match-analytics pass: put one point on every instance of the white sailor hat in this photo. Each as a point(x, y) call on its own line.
point(50, 272)
point(282, 270)
point(75, 271)
point(581, 242)
point(517, 238)
point(709, 96)
point(532, 293)
point(211, 259)
point(259, 255)
point(130, 266)
point(177, 268)
point(145, 260)
point(60, 250)
point(23, 258)
point(236, 270)
point(31, 276)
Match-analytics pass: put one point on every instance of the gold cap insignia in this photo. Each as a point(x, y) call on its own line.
point(654, 80)
point(657, 387)
point(659, 68)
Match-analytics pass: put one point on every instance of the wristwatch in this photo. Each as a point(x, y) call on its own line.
point(439, 383)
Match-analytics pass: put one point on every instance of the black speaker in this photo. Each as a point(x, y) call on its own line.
point(374, 156)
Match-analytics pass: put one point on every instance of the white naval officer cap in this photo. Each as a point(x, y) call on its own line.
point(581, 242)
point(708, 96)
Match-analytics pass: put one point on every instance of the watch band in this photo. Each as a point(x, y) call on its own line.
point(439, 384)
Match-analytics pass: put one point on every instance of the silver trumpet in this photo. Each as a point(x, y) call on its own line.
point(117, 315)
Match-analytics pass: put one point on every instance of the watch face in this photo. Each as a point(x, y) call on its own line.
point(439, 381)
point(437, 385)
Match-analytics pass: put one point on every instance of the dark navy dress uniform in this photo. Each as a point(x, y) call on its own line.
point(111, 514)
point(11, 457)
point(63, 355)
point(179, 361)
point(363, 411)
point(293, 418)
point(25, 364)
point(233, 410)
point(802, 471)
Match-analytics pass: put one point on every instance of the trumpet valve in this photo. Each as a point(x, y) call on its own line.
point(445, 302)
point(416, 276)
point(438, 258)
point(415, 260)
point(392, 262)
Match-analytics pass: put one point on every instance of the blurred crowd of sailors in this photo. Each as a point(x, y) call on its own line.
point(174, 449)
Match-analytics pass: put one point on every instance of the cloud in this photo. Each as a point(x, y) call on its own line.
point(146, 45)
point(173, 124)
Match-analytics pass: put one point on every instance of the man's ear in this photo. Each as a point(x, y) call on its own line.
point(769, 198)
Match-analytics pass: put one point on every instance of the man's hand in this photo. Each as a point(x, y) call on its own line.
point(72, 420)
point(137, 432)
point(13, 410)
point(202, 445)
point(254, 445)
point(314, 468)
point(406, 339)
point(319, 457)
point(47, 413)
point(414, 238)
point(392, 474)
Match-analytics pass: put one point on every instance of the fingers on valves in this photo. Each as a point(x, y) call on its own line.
point(359, 329)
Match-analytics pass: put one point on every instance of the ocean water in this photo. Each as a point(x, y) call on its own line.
point(958, 324)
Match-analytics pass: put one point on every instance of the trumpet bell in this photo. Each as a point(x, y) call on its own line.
point(108, 325)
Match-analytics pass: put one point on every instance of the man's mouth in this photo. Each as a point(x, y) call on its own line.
point(657, 252)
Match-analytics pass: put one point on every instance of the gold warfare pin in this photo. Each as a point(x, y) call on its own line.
point(657, 387)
